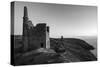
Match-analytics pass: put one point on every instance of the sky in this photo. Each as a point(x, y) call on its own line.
point(63, 20)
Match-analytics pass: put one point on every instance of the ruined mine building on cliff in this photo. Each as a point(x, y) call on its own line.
point(34, 37)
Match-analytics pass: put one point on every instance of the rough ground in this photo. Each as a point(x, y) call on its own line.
point(68, 50)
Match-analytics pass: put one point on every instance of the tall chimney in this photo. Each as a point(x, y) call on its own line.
point(25, 12)
point(25, 17)
point(25, 30)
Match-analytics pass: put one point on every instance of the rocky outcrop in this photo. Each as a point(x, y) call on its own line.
point(76, 47)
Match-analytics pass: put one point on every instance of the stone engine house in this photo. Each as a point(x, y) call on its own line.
point(34, 37)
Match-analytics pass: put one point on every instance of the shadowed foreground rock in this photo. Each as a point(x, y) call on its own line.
point(68, 50)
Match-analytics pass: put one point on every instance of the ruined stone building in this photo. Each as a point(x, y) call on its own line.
point(34, 37)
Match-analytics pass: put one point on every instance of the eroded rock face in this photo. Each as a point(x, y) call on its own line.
point(77, 47)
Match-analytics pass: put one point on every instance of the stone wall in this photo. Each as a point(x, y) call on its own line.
point(37, 36)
